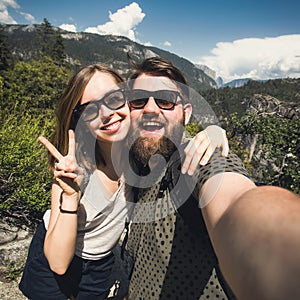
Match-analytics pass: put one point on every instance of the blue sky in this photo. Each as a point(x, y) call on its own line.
point(258, 39)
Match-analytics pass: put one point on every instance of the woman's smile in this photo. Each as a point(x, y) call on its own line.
point(112, 127)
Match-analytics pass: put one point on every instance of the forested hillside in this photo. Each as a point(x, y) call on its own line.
point(261, 119)
point(82, 48)
point(263, 124)
point(230, 100)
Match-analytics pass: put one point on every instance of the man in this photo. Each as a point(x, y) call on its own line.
point(242, 230)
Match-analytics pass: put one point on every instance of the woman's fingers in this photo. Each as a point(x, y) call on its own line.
point(70, 182)
point(51, 148)
point(69, 161)
point(64, 163)
point(66, 171)
point(68, 185)
point(71, 151)
point(61, 173)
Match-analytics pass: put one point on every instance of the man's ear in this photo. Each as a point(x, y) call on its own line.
point(187, 110)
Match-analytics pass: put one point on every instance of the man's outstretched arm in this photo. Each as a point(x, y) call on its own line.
point(255, 232)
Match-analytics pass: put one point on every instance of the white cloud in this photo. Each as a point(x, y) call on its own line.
point(148, 44)
point(5, 3)
point(5, 17)
point(264, 58)
point(68, 27)
point(167, 44)
point(28, 17)
point(122, 22)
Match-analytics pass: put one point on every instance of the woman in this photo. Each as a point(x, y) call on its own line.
point(71, 253)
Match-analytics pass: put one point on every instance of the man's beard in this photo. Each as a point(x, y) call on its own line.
point(143, 148)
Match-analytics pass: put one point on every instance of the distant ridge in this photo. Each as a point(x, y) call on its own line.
point(236, 82)
point(85, 48)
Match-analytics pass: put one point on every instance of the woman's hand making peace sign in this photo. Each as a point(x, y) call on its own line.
point(67, 173)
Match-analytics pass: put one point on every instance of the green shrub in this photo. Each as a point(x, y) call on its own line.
point(25, 179)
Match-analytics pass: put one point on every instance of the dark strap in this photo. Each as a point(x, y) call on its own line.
point(182, 196)
point(123, 246)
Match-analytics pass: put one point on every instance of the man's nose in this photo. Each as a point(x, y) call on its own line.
point(151, 107)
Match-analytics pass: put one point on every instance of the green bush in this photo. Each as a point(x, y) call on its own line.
point(34, 86)
point(25, 179)
point(192, 129)
point(275, 159)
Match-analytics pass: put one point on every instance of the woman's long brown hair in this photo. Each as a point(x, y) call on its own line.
point(68, 101)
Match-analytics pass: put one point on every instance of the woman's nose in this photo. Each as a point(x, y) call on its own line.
point(105, 112)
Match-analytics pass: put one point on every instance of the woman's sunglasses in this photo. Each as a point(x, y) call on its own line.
point(89, 111)
point(164, 99)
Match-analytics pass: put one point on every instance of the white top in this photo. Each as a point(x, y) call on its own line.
point(101, 219)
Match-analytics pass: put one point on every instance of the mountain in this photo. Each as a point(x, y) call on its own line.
point(86, 48)
point(219, 81)
point(236, 82)
point(208, 71)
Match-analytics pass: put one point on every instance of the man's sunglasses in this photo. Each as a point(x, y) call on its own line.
point(164, 99)
point(89, 111)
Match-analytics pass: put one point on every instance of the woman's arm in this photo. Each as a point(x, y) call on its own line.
point(59, 245)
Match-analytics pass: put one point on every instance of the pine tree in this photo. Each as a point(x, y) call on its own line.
point(51, 43)
point(46, 36)
point(58, 51)
point(5, 53)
